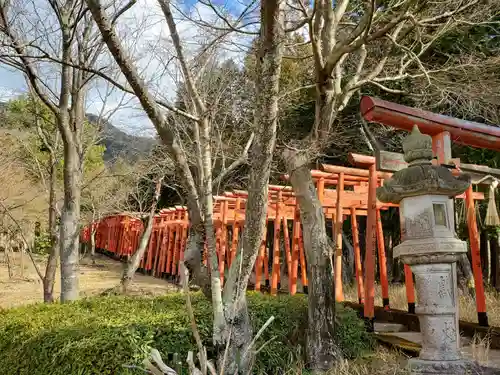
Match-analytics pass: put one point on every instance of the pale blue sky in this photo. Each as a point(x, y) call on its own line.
point(130, 116)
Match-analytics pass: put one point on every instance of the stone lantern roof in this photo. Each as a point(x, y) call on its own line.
point(421, 177)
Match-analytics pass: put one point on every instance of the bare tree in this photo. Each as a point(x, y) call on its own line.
point(232, 330)
point(356, 44)
point(43, 40)
point(49, 137)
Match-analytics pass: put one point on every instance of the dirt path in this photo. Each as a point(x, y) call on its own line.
point(94, 279)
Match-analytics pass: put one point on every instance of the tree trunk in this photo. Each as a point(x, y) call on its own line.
point(70, 228)
point(467, 283)
point(239, 359)
point(495, 251)
point(134, 261)
point(50, 270)
point(321, 349)
point(348, 260)
point(388, 239)
point(488, 268)
point(92, 244)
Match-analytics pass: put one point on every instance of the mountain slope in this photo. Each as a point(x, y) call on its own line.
point(121, 144)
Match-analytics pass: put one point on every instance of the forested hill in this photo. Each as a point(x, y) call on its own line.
point(117, 142)
point(121, 144)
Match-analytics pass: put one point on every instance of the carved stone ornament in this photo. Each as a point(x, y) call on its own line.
point(421, 177)
point(423, 367)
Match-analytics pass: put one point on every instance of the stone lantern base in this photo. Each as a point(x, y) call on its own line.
point(460, 367)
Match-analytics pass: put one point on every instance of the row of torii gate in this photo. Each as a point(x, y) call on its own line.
point(342, 191)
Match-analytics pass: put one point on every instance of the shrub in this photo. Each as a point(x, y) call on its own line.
point(42, 243)
point(99, 335)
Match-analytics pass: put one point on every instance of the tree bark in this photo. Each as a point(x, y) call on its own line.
point(495, 251)
point(488, 267)
point(467, 283)
point(348, 255)
point(50, 270)
point(92, 244)
point(134, 261)
point(321, 348)
point(261, 155)
point(70, 228)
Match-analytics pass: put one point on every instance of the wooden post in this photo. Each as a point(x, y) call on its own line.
point(261, 259)
point(482, 316)
point(339, 295)
point(371, 243)
point(276, 247)
point(183, 246)
point(171, 242)
point(410, 289)
point(147, 258)
point(223, 238)
point(321, 189)
point(217, 240)
point(162, 248)
point(295, 251)
point(384, 282)
point(179, 242)
point(267, 279)
point(236, 228)
point(303, 265)
point(288, 255)
point(177, 246)
point(357, 256)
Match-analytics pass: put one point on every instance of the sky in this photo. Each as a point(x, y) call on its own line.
point(143, 30)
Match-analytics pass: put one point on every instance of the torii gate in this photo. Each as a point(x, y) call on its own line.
point(444, 130)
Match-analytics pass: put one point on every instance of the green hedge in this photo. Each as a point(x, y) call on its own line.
point(99, 335)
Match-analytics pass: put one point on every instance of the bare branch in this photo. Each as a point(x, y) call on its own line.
point(235, 164)
point(26, 242)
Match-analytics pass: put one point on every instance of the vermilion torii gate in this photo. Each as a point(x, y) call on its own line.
point(443, 130)
point(343, 191)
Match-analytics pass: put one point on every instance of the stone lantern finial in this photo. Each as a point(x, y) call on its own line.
point(421, 177)
point(417, 147)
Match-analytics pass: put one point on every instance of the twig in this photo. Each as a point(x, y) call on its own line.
point(261, 330)
point(156, 357)
point(194, 328)
point(28, 248)
point(192, 368)
point(151, 368)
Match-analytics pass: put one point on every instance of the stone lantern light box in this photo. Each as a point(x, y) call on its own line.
point(430, 246)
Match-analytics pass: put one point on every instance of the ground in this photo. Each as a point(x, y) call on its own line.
point(26, 287)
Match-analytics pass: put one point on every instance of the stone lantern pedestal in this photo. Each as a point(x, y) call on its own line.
point(431, 247)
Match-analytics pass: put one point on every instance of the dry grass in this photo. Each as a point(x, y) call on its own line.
point(94, 279)
point(382, 362)
point(397, 296)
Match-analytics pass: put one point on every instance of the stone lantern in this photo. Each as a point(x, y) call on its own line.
point(430, 246)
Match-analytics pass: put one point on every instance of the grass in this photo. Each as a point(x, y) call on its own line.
point(382, 361)
point(467, 305)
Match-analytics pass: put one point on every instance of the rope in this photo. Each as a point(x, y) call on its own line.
point(492, 218)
